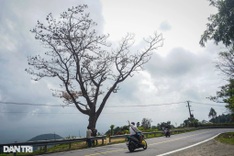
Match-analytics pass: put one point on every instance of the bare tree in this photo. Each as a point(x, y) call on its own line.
point(226, 63)
point(89, 68)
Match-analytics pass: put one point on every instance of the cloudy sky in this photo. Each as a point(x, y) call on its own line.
point(179, 71)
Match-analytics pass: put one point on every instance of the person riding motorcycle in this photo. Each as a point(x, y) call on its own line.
point(135, 139)
point(167, 131)
point(135, 132)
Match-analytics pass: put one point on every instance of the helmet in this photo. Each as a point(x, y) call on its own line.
point(133, 123)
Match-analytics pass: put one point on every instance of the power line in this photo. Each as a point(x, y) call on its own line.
point(30, 104)
point(113, 106)
point(32, 113)
point(208, 104)
point(37, 113)
point(108, 106)
point(148, 105)
point(49, 105)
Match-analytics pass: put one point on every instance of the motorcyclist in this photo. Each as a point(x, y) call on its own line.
point(135, 132)
point(167, 130)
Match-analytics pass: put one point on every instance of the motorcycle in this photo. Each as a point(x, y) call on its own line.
point(134, 143)
point(167, 132)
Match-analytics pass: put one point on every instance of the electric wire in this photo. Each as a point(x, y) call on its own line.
point(208, 104)
point(30, 104)
point(149, 105)
point(113, 106)
point(54, 105)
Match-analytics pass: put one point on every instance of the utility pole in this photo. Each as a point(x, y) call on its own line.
point(191, 115)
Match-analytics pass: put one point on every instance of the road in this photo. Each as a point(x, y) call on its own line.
point(156, 146)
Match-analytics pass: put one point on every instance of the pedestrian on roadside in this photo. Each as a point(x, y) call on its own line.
point(88, 136)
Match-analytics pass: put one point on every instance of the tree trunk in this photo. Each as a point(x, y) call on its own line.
point(92, 121)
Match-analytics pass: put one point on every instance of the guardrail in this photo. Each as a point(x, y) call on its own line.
point(150, 133)
point(46, 143)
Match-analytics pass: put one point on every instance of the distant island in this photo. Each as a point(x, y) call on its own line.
point(46, 137)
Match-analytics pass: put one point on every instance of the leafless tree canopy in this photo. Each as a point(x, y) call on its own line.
point(88, 67)
point(226, 63)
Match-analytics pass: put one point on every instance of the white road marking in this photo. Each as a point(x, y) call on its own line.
point(188, 146)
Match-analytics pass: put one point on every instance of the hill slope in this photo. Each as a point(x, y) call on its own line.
point(46, 137)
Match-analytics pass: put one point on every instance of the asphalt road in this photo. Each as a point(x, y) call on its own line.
point(156, 147)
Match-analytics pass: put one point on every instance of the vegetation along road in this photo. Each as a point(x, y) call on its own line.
point(156, 146)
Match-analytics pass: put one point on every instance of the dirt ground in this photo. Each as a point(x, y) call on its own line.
point(210, 148)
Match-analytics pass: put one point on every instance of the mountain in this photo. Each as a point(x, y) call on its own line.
point(46, 137)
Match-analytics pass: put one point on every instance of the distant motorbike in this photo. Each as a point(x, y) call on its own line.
point(167, 132)
point(133, 143)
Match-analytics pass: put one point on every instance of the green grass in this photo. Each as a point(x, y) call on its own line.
point(227, 138)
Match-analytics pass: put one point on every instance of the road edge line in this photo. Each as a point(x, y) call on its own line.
point(184, 148)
